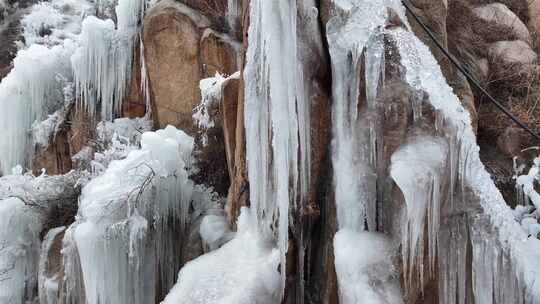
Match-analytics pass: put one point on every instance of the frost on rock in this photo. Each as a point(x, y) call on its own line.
point(243, 271)
point(50, 23)
point(212, 95)
point(364, 267)
point(20, 226)
point(44, 131)
point(127, 233)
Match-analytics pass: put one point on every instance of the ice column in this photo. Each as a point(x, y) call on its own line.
point(275, 119)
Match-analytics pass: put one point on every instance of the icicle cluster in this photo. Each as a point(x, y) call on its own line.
point(19, 251)
point(130, 218)
point(33, 87)
point(102, 64)
point(276, 120)
point(418, 168)
point(470, 179)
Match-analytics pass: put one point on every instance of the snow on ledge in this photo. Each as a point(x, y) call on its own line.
point(243, 271)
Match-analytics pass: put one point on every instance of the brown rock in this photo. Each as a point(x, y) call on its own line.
point(509, 142)
point(52, 269)
point(219, 53)
point(56, 157)
point(502, 15)
point(82, 129)
point(171, 36)
point(229, 112)
point(513, 52)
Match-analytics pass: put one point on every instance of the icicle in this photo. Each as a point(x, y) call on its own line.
point(26, 94)
point(418, 170)
point(19, 251)
point(515, 270)
point(275, 119)
point(102, 64)
point(130, 218)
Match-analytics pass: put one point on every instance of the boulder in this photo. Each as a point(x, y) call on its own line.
point(171, 36)
point(516, 51)
point(534, 21)
point(502, 15)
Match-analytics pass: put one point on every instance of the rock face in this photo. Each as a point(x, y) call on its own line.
point(502, 15)
point(513, 51)
point(181, 48)
point(171, 36)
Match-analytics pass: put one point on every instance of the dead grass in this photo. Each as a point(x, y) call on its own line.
point(518, 88)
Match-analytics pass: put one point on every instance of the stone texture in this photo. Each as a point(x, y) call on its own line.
point(502, 15)
point(534, 20)
point(53, 269)
point(513, 51)
point(219, 53)
point(82, 129)
point(134, 103)
point(171, 36)
point(509, 142)
point(229, 112)
point(56, 157)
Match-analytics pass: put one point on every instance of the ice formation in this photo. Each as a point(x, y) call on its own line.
point(59, 44)
point(365, 269)
point(243, 271)
point(19, 251)
point(102, 64)
point(32, 88)
point(215, 231)
point(126, 236)
point(355, 34)
point(421, 161)
point(517, 254)
point(276, 120)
